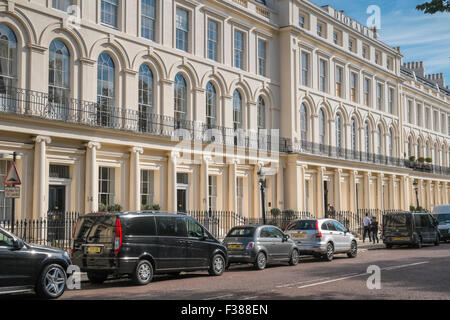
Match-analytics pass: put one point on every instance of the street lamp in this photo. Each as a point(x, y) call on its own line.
point(262, 183)
point(416, 187)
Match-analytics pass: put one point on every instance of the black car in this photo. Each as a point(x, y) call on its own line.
point(410, 228)
point(141, 244)
point(25, 267)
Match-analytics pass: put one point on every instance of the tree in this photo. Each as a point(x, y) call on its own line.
point(434, 6)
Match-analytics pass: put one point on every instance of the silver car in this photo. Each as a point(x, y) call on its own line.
point(260, 245)
point(322, 238)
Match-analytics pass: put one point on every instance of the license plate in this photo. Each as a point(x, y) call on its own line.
point(300, 235)
point(235, 246)
point(94, 250)
point(399, 239)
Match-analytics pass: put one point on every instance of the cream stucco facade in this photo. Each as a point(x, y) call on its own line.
point(91, 105)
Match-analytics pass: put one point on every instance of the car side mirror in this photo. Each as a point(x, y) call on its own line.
point(285, 238)
point(18, 244)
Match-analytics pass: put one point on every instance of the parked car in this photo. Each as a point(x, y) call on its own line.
point(260, 245)
point(322, 238)
point(442, 214)
point(25, 267)
point(141, 244)
point(410, 228)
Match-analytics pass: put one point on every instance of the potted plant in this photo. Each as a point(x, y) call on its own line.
point(429, 162)
point(275, 212)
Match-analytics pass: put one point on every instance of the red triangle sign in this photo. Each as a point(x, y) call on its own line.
point(12, 178)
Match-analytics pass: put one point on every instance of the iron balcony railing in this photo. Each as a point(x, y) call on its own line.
point(36, 104)
point(311, 148)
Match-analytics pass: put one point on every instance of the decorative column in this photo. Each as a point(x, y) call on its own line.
point(36, 63)
point(204, 183)
point(404, 186)
point(135, 178)
point(232, 195)
point(392, 193)
point(366, 190)
point(91, 181)
point(280, 185)
point(380, 193)
point(172, 182)
point(428, 203)
point(338, 190)
point(40, 200)
point(353, 194)
point(320, 205)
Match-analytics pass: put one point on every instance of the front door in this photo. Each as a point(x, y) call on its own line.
point(181, 200)
point(57, 199)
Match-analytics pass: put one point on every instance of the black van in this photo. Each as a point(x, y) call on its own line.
point(141, 244)
point(410, 228)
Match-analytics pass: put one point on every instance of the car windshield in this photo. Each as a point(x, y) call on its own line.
point(397, 221)
point(443, 219)
point(243, 232)
point(303, 225)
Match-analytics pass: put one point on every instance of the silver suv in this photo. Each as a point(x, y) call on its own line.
point(322, 238)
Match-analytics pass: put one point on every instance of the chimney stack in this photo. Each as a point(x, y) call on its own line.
point(417, 67)
point(437, 78)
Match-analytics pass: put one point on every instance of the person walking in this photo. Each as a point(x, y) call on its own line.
point(366, 222)
point(374, 230)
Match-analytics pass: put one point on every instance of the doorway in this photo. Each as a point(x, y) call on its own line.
point(57, 199)
point(181, 201)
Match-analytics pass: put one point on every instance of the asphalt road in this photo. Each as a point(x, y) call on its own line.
point(405, 274)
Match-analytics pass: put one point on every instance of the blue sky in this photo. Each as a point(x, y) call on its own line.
point(421, 37)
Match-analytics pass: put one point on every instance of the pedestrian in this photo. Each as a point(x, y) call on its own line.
point(366, 222)
point(374, 230)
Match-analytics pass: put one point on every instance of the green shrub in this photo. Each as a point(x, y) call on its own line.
point(275, 212)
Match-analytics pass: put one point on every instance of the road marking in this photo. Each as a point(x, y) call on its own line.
point(355, 275)
point(250, 298)
point(219, 297)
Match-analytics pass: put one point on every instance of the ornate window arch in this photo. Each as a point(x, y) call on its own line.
point(8, 58)
point(211, 105)
point(106, 89)
point(146, 98)
point(59, 80)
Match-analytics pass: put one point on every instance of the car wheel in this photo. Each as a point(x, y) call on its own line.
point(438, 241)
point(143, 274)
point(329, 256)
point(353, 250)
point(97, 277)
point(218, 265)
point(261, 261)
point(295, 258)
point(52, 282)
point(419, 243)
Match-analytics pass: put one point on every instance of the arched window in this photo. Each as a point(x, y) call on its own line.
point(379, 140)
point(211, 105)
point(428, 150)
point(367, 138)
point(145, 98)
point(237, 110)
point(261, 113)
point(322, 128)
point(391, 142)
point(59, 80)
point(410, 147)
point(8, 64)
point(354, 137)
point(339, 142)
point(303, 123)
point(180, 99)
point(436, 155)
point(106, 92)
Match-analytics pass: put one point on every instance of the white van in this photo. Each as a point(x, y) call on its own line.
point(442, 213)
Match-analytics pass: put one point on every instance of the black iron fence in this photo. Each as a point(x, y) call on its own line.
point(55, 230)
point(36, 104)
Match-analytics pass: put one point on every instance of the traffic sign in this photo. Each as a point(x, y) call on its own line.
point(12, 192)
point(12, 178)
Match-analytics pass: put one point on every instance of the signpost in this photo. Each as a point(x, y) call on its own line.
point(12, 189)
